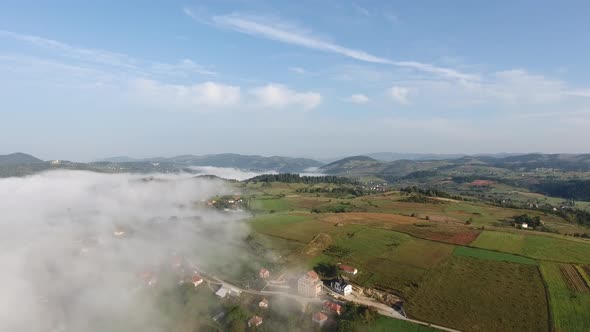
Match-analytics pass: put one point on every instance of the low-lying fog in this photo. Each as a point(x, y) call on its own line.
point(240, 175)
point(228, 172)
point(78, 247)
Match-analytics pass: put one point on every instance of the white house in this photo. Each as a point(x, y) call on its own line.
point(341, 287)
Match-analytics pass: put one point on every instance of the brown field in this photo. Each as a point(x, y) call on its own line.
point(439, 218)
point(464, 237)
point(364, 218)
point(573, 279)
point(482, 183)
point(586, 269)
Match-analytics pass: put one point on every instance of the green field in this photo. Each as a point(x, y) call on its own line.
point(492, 255)
point(536, 246)
point(482, 295)
point(570, 310)
point(269, 204)
point(385, 258)
point(384, 324)
point(296, 227)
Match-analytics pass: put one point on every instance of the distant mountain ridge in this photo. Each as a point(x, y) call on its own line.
point(19, 164)
point(18, 158)
point(360, 166)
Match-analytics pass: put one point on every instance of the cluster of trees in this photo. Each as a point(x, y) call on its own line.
point(296, 178)
point(572, 189)
point(355, 317)
point(429, 192)
point(339, 191)
point(576, 216)
point(533, 222)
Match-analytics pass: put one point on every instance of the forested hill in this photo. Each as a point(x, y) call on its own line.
point(18, 159)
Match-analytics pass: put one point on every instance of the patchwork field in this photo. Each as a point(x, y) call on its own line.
point(482, 295)
point(536, 246)
point(438, 257)
point(569, 309)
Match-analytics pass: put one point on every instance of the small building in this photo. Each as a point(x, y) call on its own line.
point(341, 287)
point(319, 318)
point(263, 303)
point(196, 280)
point(255, 321)
point(234, 292)
point(264, 273)
point(348, 269)
point(332, 307)
point(225, 290)
point(222, 292)
point(524, 225)
point(309, 284)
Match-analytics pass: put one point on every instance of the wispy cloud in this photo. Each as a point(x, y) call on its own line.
point(289, 34)
point(358, 99)
point(107, 59)
point(279, 96)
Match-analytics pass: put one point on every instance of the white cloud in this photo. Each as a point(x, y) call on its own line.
point(358, 99)
point(279, 96)
point(278, 31)
point(186, 97)
point(399, 94)
point(298, 70)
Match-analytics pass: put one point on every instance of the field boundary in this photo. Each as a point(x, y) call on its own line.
point(547, 300)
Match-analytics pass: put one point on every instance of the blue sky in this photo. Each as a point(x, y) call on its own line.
point(82, 80)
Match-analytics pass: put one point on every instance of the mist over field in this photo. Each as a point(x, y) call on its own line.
point(74, 246)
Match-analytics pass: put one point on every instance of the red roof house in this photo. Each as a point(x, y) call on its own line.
point(255, 321)
point(264, 273)
point(319, 318)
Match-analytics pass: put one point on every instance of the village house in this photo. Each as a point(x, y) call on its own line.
point(348, 269)
point(332, 307)
point(319, 318)
point(149, 278)
point(196, 280)
point(263, 303)
point(309, 284)
point(255, 321)
point(341, 287)
point(264, 273)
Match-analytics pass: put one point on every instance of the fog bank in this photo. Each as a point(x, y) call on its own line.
point(79, 248)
